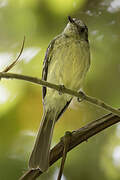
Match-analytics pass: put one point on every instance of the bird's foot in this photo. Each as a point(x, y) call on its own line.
point(82, 94)
point(61, 89)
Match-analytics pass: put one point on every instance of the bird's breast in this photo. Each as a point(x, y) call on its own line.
point(69, 64)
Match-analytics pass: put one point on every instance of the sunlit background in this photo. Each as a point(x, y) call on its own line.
point(21, 102)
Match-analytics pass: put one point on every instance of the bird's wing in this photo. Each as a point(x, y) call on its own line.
point(46, 63)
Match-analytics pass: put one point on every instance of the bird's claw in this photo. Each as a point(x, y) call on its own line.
point(82, 96)
point(61, 88)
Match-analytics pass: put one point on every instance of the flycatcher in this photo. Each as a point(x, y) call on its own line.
point(66, 62)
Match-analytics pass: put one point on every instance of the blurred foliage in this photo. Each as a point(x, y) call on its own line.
point(21, 102)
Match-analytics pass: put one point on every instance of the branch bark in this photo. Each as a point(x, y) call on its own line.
point(77, 137)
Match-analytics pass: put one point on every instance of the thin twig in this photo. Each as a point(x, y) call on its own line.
point(58, 88)
point(66, 142)
point(77, 137)
point(15, 61)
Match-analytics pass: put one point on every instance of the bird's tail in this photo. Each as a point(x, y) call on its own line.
point(40, 154)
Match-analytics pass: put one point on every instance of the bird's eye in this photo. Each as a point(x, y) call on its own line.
point(82, 29)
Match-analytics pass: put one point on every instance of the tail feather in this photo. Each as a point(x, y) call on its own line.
point(40, 154)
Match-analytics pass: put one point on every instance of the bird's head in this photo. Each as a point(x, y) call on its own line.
point(76, 27)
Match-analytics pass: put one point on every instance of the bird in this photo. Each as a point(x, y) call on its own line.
point(66, 63)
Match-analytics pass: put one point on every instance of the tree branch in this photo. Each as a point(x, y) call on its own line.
point(61, 89)
point(77, 137)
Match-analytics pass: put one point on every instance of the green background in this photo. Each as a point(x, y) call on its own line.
point(21, 102)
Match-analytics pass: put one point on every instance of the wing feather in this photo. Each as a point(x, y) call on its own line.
point(46, 63)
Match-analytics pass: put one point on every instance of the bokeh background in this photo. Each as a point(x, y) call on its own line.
point(21, 102)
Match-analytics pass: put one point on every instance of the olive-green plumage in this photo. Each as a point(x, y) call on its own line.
point(66, 63)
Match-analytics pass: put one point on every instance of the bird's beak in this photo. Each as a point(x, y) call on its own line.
point(71, 20)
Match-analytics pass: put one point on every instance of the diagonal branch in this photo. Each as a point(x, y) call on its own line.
point(77, 137)
point(61, 89)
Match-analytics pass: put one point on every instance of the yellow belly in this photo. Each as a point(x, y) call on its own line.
point(69, 65)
